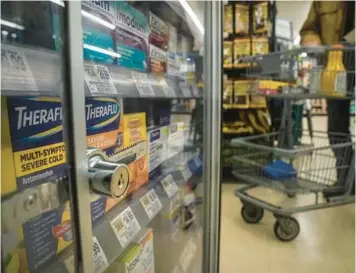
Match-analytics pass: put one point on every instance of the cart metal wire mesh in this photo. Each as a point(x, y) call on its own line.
point(306, 72)
point(316, 165)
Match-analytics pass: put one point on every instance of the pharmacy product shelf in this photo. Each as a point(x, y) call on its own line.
point(31, 72)
point(127, 220)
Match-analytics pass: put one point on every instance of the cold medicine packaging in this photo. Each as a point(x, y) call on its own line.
point(99, 37)
point(131, 36)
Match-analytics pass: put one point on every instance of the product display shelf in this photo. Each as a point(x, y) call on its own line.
point(103, 227)
point(26, 71)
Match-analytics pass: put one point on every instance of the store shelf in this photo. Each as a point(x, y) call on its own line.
point(30, 71)
point(103, 228)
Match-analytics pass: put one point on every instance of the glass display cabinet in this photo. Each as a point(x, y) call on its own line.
point(109, 146)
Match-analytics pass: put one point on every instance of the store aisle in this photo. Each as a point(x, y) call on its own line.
point(326, 243)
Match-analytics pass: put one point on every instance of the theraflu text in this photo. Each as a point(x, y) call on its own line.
point(27, 118)
point(101, 111)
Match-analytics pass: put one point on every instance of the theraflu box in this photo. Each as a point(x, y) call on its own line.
point(98, 36)
point(36, 141)
point(103, 117)
point(131, 37)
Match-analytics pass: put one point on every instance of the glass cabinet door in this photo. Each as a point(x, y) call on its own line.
point(143, 72)
point(36, 211)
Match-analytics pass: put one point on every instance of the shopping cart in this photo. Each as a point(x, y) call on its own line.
point(321, 163)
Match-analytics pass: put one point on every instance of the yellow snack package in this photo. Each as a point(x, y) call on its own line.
point(242, 48)
point(228, 24)
point(241, 93)
point(260, 18)
point(227, 94)
point(227, 54)
point(241, 19)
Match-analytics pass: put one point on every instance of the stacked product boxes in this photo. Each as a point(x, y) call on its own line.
point(33, 151)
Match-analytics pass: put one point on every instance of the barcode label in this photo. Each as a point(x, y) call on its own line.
point(69, 263)
point(169, 185)
point(98, 79)
point(174, 204)
point(142, 84)
point(340, 82)
point(15, 71)
point(100, 260)
point(186, 173)
point(125, 226)
point(151, 203)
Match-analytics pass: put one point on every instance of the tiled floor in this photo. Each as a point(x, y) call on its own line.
point(326, 243)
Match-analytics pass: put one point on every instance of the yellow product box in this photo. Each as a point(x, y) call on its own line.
point(38, 241)
point(241, 19)
point(242, 48)
point(227, 54)
point(257, 101)
point(260, 18)
point(228, 92)
point(269, 87)
point(133, 151)
point(260, 46)
point(137, 258)
point(32, 147)
point(241, 94)
point(228, 19)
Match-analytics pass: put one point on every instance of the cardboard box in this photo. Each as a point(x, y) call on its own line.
point(157, 149)
point(32, 147)
point(103, 118)
point(131, 36)
point(133, 152)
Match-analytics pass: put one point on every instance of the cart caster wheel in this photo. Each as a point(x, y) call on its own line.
point(252, 214)
point(286, 229)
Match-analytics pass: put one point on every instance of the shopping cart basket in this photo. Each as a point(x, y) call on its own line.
point(321, 163)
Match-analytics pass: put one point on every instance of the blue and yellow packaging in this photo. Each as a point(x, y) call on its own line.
point(103, 118)
point(32, 137)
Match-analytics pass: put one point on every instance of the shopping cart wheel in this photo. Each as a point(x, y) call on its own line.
point(252, 214)
point(286, 228)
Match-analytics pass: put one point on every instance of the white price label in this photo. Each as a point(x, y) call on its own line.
point(69, 263)
point(174, 204)
point(147, 258)
point(169, 185)
point(100, 260)
point(125, 226)
point(98, 79)
point(142, 83)
point(186, 173)
point(151, 203)
point(15, 71)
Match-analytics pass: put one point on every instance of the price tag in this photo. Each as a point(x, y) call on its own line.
point(69, 263)
point(125, 226)
point(169, 185)
point(98, 79)
point(142, 83)
point(100, 261)
point(186, 173)
point(151, 203)
point(15, 71)
point(174, 204)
